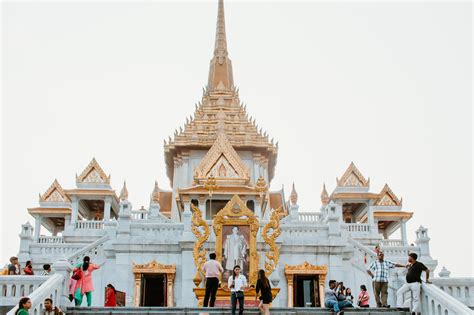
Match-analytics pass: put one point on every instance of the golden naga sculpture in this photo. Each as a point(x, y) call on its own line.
point(273, 255)
point(201, 231)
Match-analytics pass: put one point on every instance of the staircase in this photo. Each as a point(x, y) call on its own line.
point(222, 311)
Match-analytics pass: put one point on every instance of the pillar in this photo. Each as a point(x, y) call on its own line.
point(403, 227)
point(107, 205)
point(75, 209)
point(289, 281)
point(370, 218)
point(187, 234)
point(63, 267)
point(38, 221)
point(26, 238)
point(202, 207)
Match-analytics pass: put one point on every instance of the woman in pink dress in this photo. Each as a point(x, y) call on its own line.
point(84, 282)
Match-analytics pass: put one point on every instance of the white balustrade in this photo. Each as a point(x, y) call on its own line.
point(358, 227)
point(391, 243)
point(12, 288)
point(139, 215)
point(309, 217)
point(435, 301)
point(92, 250)
point(462, 289)
point(48, 249)
point(89, 225)
point(50, 240)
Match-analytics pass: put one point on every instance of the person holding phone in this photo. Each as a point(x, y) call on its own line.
point(237, 283)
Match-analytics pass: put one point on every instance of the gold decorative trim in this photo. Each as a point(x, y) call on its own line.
point(273, 255)
point(236, 212)
point(352, 177)
point(201, 231)
point(154, 267)
point(388, 198)
point(221, 147)
point(93, 173)
point(51, 196)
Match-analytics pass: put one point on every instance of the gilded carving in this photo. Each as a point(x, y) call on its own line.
point(236, 213)
point(352, 177)
point(55, 193)
point(305, 269)
point(201, 231)
point(93, 173)
point(388, 198)
point(270, 233)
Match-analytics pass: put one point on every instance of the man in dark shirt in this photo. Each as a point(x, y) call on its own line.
point(14, 266)
point(413, 285)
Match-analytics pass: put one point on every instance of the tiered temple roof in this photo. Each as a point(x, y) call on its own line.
point(220, 109)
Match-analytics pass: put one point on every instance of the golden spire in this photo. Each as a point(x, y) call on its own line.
point(155, 195)
point(324, 196)
point(124, 192)
point(293, 195)
point(220, 72)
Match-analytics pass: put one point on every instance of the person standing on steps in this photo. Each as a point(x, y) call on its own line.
point(413, 285)
point(213, 271)
point(263, 287)
point(379, 270)
point(237, 283)
point(83, 276)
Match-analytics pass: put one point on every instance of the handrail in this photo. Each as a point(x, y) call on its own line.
point(436, 301)
point(50, 288)
point(73, 258)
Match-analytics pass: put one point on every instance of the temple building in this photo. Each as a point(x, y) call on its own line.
point(220, 166)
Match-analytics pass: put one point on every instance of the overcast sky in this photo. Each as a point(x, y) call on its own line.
point(386, 85)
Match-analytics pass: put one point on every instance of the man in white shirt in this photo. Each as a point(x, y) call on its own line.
point(213, 271)
point(237, 284)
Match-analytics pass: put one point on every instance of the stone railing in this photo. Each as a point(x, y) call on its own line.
point(358, 227)
point(48, 249)
point(309, 217)
point(461, 289)
point(89, 225)
point(92, 250)
point(363, 255)
point(50, 240)
point(139, 215)
point(302, 233)
point(12, 288)
point(436, 301)
point(55, 287)
point(391, 243)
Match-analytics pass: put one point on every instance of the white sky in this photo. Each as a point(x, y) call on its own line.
point(386, 85)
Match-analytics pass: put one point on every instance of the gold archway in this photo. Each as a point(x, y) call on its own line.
point(305, 269)
point(154, 267)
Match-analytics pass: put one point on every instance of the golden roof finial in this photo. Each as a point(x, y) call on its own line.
point(210, 185)
point(324, 195)
point(124, 192)
point(293, 195)
point(261, 185)
point(155, 195)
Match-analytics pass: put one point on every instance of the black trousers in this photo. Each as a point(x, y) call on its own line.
point(211, 289)
point(233, 302)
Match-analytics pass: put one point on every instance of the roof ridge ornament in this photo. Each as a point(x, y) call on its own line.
point(352, 177)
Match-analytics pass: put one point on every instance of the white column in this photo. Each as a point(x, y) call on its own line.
point(75, 210)
point(38, 226)
point(202, 207)
point(403, 227)
point(107, 205)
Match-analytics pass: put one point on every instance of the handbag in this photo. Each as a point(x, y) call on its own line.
point(77, 274)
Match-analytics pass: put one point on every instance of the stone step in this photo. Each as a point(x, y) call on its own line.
point(222, 311)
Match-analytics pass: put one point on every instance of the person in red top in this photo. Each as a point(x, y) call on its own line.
point(28, 269)
point(110, 300)
point(363, 300)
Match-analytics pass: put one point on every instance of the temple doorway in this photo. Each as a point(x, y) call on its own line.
point(305, 284)
point(306, 292)
point(153, 290)
point(154, 284)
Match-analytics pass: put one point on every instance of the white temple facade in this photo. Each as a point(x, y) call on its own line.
point(220, 165)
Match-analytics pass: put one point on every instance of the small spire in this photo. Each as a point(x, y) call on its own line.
point(293, 195)
point(324, 195)
point(155, 195)
point(124, 192)
point(220, 46)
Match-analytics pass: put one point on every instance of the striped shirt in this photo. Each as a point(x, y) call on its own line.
point(381, 270)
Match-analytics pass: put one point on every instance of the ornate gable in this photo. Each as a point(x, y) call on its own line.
point(93, 174)
point(55, 193)
point(388, 198)
point(222, 162)
point(352, 178)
